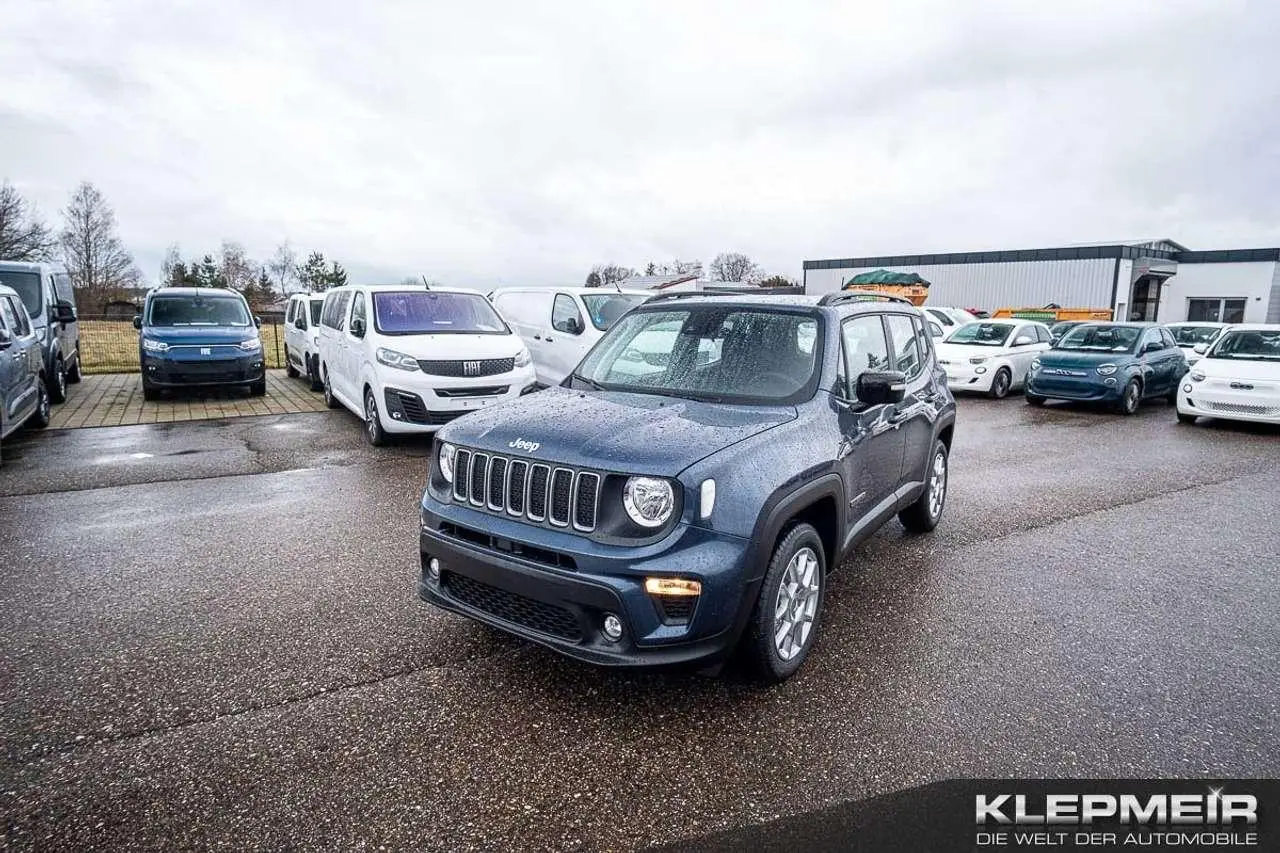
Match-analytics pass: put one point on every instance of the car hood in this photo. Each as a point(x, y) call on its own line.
point(453, 346)
point(963, 352)
point(1081, 358)
point(200, 334)
point(614, 431)
point(1239, 368)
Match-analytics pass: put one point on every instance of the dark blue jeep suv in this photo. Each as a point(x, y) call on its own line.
point(686, 490)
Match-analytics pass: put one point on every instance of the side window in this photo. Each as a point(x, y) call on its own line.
point(358, 310)
point(923, 338)
point(290, 312)
point(864, 348)
point(1151, 337)
point(906, 346)
point(1042, 334)
point(565, 316)
point(62, 286)
point(8, 321)
point(326, 310)
point(21, 326)
point(1168, 339)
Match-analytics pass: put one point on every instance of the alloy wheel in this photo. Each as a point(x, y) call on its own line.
point(938, 485)
point(797, 604)
point(371, 424)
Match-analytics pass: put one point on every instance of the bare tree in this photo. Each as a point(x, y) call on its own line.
point(97, 261)
point(238, 272)
point(607, 275)
point(283, 267)
point(735, 267)
point(24, 236)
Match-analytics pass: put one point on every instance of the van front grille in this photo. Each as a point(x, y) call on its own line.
point(561, 497)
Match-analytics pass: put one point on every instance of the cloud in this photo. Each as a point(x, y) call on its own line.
point(512, 142)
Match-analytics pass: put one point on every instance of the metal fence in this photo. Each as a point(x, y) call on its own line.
point(110, 344)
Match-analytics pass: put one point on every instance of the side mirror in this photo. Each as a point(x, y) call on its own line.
point(1200, 349)
point(65, 313)
point(257, 321)
point(1023, 341)
point(575, 325)
point(6, 340)
point(137, 321)
point(300, 323)
point(1153, 346)
point(357, 327)
point(877, 389)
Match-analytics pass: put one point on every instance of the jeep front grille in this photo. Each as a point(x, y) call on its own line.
point(534, 491)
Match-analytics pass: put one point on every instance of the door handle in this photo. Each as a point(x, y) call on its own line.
point(548, 340)
point(537, 337)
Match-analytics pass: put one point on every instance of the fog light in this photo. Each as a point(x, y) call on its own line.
point(433, 567)
point(979, 370)
point(1109, 381)
point(1187, 388)
point(612, 628)
point(672, 586)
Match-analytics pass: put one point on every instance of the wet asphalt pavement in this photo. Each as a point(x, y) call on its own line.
point(211, 638)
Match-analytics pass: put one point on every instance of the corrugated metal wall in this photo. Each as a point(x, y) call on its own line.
point(1273, 304)
point(1077, 284)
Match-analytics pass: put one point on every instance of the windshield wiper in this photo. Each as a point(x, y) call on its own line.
point(591, 383)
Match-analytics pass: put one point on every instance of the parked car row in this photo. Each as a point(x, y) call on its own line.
point(39, 342)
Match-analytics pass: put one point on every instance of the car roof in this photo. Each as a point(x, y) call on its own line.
point(8, 291)
point(404, 288)
point(216, 292)
point(31, 266)
point(314, 297)
point(1212, 323)
point(1254, 327)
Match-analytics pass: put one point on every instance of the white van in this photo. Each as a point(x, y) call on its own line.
point(302, 337)
point(409, 359)
point(560, 325)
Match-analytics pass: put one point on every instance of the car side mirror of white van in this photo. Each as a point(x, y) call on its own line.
point(1201, 349)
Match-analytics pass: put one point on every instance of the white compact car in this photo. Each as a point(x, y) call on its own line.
point(302, 337)
point(949, 318)
point(1238, 377)
point(1190, 335)
point(561, 325)
point(409, 360)
point(991, 356)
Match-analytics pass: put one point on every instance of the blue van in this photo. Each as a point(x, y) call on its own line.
point(198, 337)
point(46, 293)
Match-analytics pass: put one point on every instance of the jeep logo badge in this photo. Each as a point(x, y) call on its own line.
point(470, 368)
point(526, 446)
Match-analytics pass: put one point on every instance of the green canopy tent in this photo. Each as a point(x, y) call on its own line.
point(887, 277)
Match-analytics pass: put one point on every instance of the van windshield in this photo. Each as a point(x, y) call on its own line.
point(197, 311)
point(606, 308)
point(425, 312)
point(28, 286)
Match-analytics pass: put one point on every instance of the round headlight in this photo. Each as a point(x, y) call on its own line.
point(648, 500)
point(447, 454)
point(1106, 369)
point(1035, 364)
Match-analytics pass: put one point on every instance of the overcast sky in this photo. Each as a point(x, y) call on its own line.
point(490, 143)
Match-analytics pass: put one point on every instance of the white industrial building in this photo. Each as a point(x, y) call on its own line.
point(1154, 280)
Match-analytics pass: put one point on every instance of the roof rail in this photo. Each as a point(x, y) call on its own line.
point(841, 297)
point(687, 294)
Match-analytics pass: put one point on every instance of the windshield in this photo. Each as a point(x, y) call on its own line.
point(198, 311)
point(316, 305)
point(980, 334)
point(423, 312)
point(1248, 345)
point(1057, 330)
point(709, 353)
point(28, 286)
point(1189, 336)
point(606, 308)
point(1100, 338)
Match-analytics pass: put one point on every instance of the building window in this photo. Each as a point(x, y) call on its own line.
point(1216, 310)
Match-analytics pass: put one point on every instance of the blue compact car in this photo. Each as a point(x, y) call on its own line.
point(1120, 364)
point(687, 488)
point(198, 337)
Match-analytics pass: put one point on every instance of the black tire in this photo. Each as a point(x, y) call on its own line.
point(259, 388)
point(924, 515)
point(1001, 384)
point(73, 374)
point(313, 373)
point(329, 400)
point(1184, 418)
point(149, 391)
point(758, 641)
point(1130, 398)
point(1172, 396)
point(373, 430)
point(1034, 399)
point(289, 370)
point(58, 382)
point(44, 411)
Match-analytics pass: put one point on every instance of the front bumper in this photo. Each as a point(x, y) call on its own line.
point(965, 377)
point(1087, 388)
point(417, 402)
point(554, 588)
point(1208, 402)
point(163, 372)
